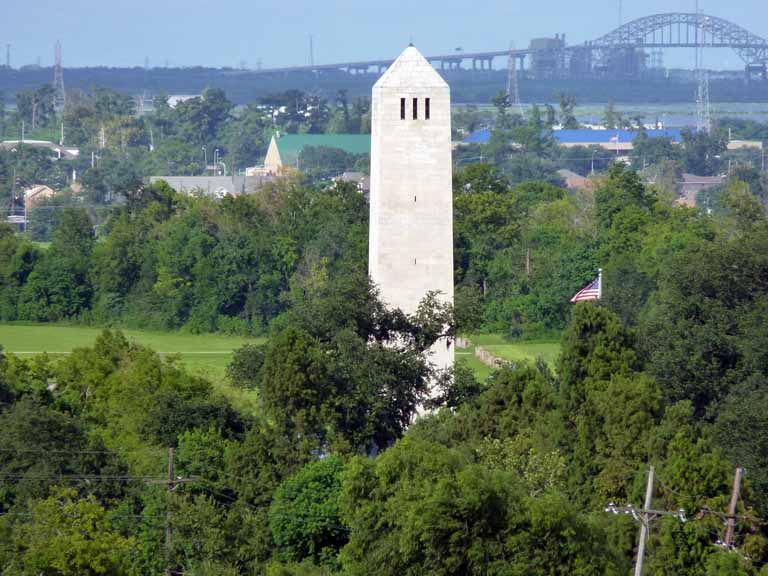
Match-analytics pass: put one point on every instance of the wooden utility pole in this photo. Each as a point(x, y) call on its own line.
point(645, 516)
point(732, 508)
point(644, 523)
point(168, 528)
point(172, 483)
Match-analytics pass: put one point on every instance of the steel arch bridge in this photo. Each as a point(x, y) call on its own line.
point(686, 30)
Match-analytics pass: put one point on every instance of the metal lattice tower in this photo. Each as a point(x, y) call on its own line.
point(703, 109)
point(60, 96)
point(513, 82)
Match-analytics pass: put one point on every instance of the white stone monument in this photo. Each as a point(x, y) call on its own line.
point(411, 227)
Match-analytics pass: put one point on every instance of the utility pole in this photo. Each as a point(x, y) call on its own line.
point(644, 524)
point(528, 261)
point(621, 14)
point(168, 527)
point(645, 516)
point(513, 81)
point(732, 508)
point(172, 483)
point(34, 111)
point(311, 50)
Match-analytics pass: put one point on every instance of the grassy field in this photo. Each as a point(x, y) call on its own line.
point(515, 351)
point(209, 355)
point(206, 355)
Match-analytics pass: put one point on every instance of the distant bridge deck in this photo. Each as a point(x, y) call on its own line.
point(455, 57)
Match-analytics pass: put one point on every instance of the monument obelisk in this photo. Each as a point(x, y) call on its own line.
point(411, 223)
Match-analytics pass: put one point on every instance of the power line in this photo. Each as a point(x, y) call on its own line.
point(85, 477)
point(72, 515)
point(645, 516)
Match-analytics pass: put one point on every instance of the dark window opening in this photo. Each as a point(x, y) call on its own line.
point(415, 108)
point(427, 111)
point(402, 108)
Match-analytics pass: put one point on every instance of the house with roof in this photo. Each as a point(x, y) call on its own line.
point(285, 151)
point(37, 194)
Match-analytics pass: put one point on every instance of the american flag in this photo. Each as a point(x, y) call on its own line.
point(590, 292)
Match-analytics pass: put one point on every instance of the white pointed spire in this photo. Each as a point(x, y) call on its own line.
point(411, 70)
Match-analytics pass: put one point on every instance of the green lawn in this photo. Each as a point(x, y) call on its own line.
point(515, 351)
point(209, 355)
point(206, 355)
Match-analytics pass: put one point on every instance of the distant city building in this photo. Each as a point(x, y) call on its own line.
point(411, 221)
point(214, 186)
point(285, 151)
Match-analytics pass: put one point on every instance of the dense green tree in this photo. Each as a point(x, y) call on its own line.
point(567, 111)
point(35, 107)
point(648, 151)
point(201, 118)
point(324, 163)
point(59, 286)
point(305, 517)
point(109, 103)
point(701, 152)
point(68, 535)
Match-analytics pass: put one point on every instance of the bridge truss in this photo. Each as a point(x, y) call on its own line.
point(658, 31)
point(686, 30)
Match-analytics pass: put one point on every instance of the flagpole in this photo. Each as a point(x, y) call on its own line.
point(599, 283)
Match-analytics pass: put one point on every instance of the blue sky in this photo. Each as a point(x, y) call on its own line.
point(276, 32)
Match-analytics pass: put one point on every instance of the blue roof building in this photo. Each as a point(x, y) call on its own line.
point(602, 137)
point(612, 139)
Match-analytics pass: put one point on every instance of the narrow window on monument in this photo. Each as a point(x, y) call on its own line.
point(427, 108)
point(402, 108)
point(415, 108)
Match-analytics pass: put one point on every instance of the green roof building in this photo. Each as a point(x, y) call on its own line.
point(284, 151)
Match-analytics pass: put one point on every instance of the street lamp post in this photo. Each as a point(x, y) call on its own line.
point(205, 156)
point(216, 162)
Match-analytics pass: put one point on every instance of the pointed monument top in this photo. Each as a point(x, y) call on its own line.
point(411, 70)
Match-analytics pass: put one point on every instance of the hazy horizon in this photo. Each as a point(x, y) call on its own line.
point(275, 33)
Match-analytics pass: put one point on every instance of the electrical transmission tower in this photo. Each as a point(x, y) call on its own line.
point(513, 82)
point(703, 109)
point(60, 96)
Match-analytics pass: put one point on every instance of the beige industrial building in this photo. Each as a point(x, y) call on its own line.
point(411, 223)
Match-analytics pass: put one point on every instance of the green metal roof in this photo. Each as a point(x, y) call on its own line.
point(291, 145)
